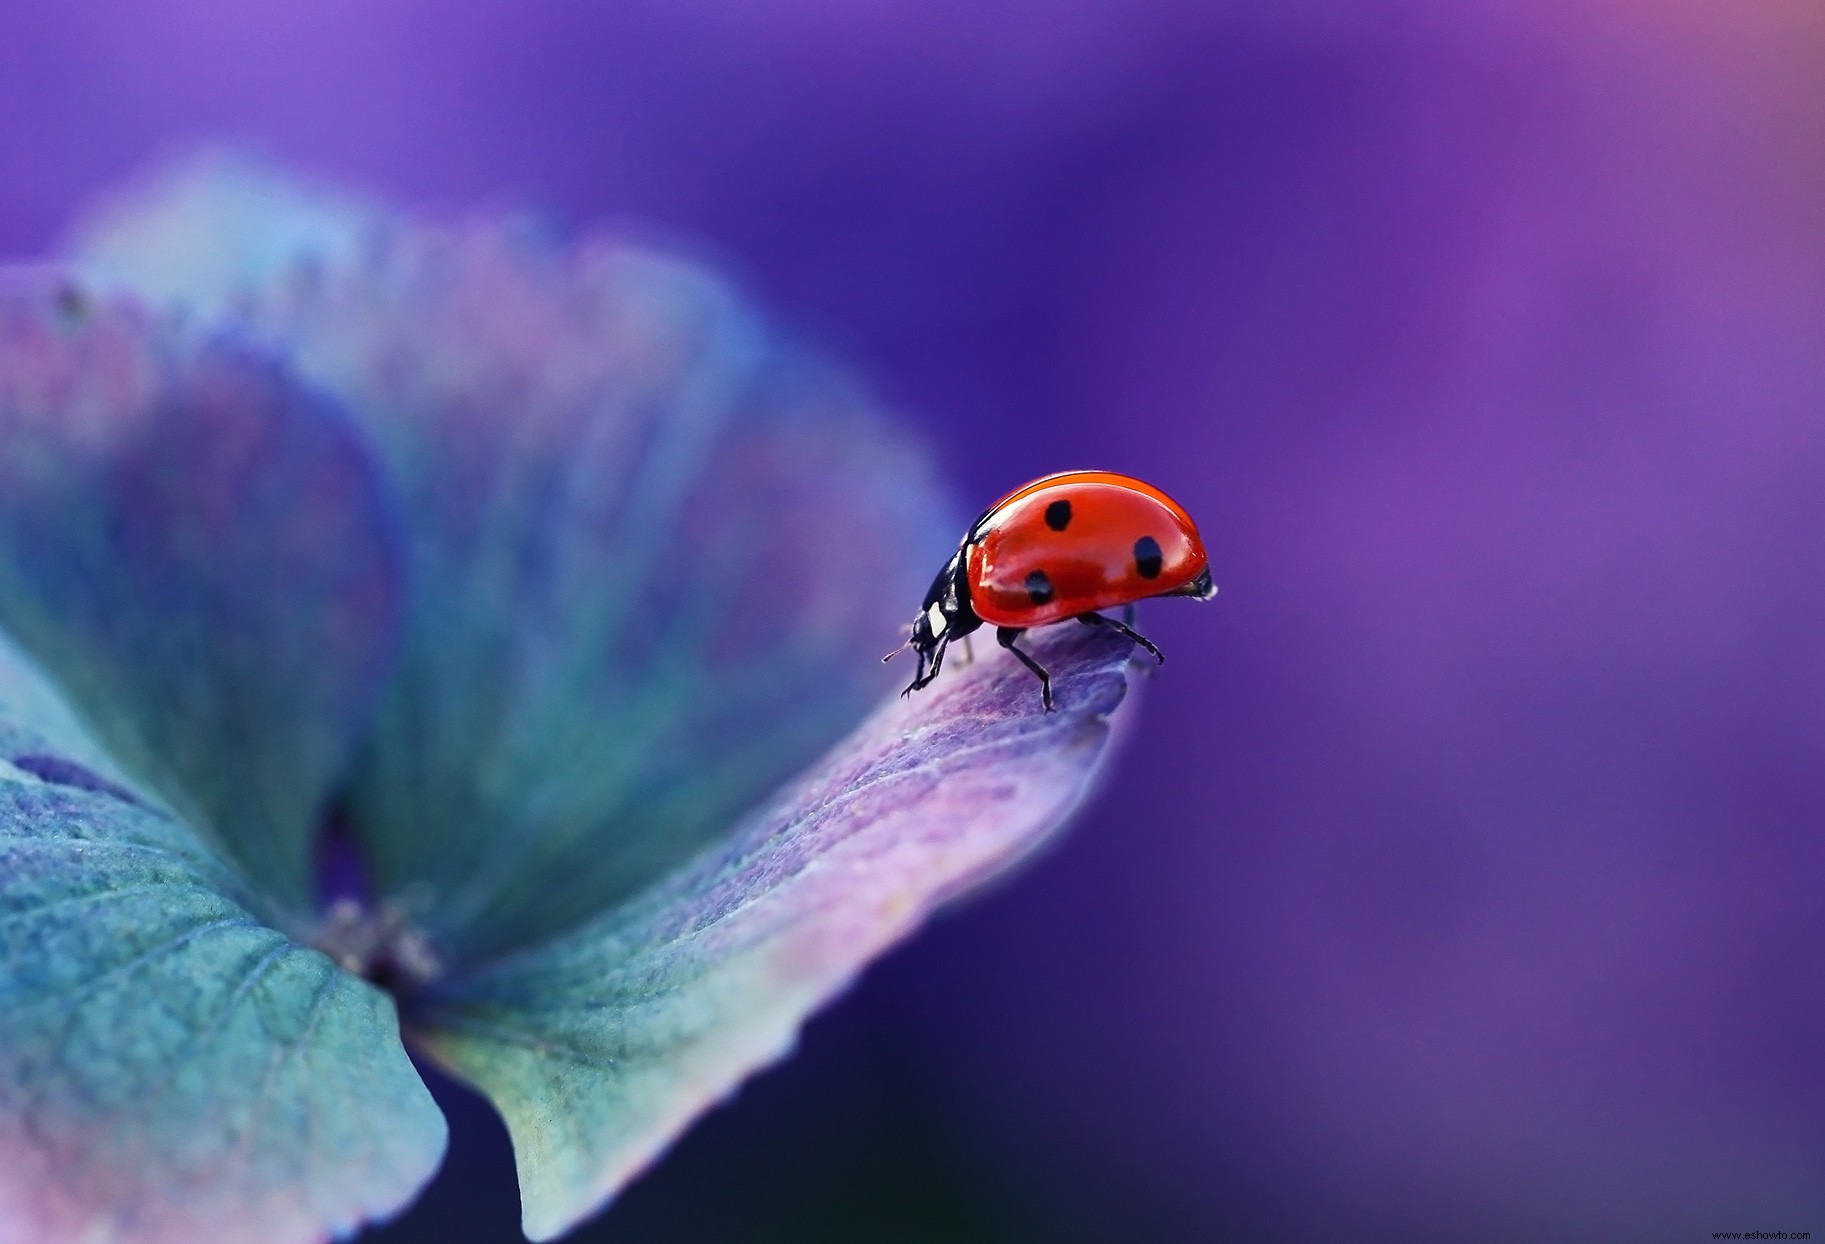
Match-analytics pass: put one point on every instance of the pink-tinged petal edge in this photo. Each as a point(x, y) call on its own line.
point(600, 1048)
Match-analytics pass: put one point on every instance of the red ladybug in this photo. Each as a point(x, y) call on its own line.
point(1062, 547)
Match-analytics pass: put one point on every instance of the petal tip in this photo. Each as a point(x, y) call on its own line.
point(601, 1048)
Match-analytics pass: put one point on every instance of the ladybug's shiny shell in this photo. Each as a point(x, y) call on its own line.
point(1062, 547)
point(1077, 542)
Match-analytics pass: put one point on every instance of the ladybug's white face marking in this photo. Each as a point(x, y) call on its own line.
point(934, 618)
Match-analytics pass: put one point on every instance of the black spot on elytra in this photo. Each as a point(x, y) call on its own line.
point(61, 772)
point(1147, 559)
point(1058, 515)
point(1039, 588)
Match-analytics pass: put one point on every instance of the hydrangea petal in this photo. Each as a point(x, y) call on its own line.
point(208, 233)
point(655, 555)
point(172, 1070)
point(198, 549)
point(599, 1048)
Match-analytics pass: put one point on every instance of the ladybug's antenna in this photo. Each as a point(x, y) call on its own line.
point(904, 645)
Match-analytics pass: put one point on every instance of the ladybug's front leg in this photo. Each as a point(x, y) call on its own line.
point(1006, 635)
point(918, 678)
point(1097, 619)
point(922, 679)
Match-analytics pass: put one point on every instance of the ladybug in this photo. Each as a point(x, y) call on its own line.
point(1062, 547)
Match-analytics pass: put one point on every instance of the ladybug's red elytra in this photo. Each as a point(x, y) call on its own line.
point(1062, 547)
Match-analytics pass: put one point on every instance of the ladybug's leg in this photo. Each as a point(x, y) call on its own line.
point(937, 659)
point(915, 684)
point(919, 679)
point(1097, 619)
point(969, 652)
point(1007, 635)
point(923, 679)
point(1128, 614)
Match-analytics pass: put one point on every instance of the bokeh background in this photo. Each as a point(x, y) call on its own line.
point(1463, 878)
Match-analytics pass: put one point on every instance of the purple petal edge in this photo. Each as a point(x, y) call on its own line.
point(600, 1048)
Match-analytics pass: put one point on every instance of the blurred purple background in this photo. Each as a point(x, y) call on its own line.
point(1463, 880)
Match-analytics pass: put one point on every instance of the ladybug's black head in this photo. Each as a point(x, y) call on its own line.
point(924, 637)
point(936, 623)
point(946, 614)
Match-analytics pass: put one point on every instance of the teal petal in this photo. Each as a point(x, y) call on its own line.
point(199, 551)
point(655, 555)
point(598, 1049)
point(171, 1070)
